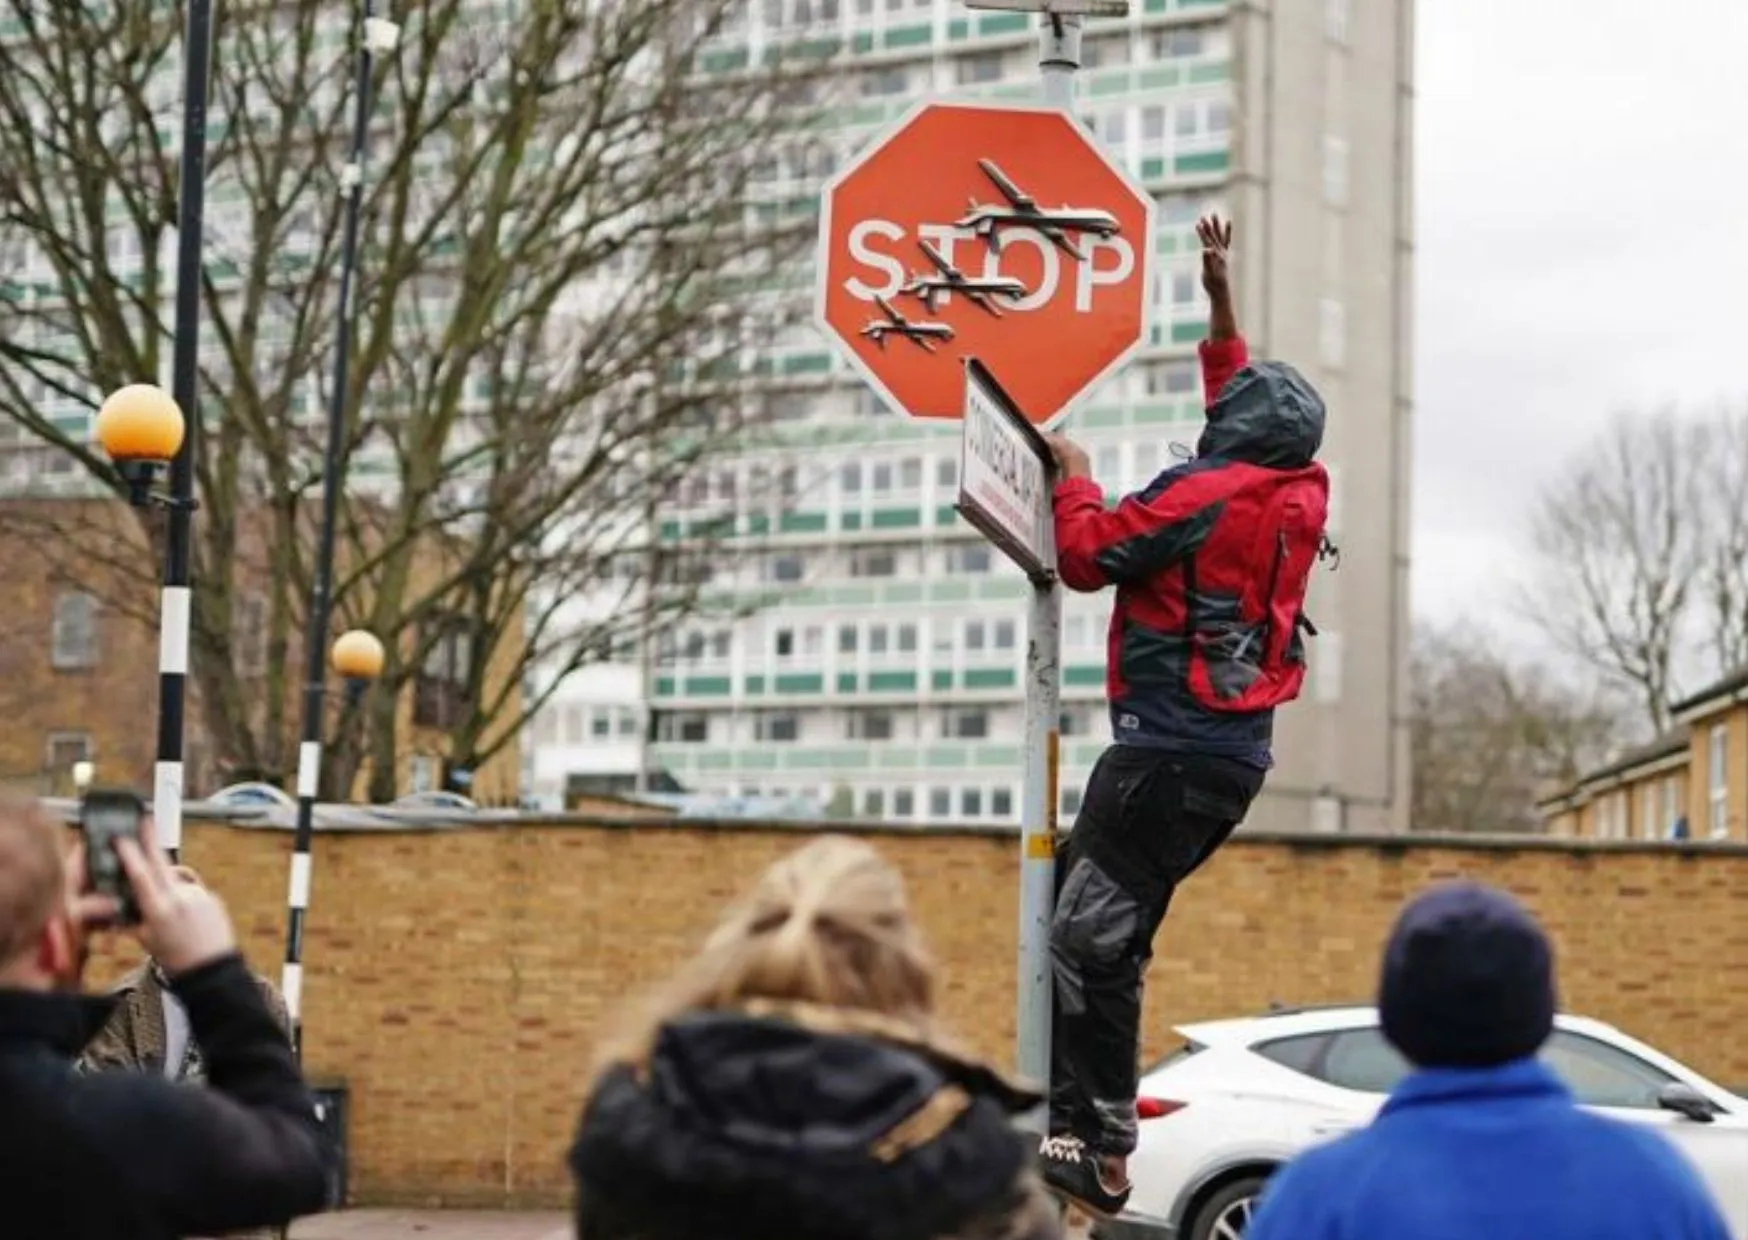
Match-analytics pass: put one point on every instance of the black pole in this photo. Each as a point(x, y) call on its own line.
point(309, 757)
point(175, 617)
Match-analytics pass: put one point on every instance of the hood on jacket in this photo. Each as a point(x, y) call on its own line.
point(758, 1127)
point(1267, 415)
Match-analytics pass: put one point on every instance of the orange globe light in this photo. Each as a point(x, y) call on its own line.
point(140, 422)
point(358, 655)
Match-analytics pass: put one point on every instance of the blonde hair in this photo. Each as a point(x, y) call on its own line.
point(827, 926)
point(33, 876)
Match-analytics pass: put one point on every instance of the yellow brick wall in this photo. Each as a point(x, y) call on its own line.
point(456, 977)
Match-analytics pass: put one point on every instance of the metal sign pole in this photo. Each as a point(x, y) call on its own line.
point(1058, 58)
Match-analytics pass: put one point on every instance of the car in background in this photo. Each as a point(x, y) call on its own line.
point(1241, 1097)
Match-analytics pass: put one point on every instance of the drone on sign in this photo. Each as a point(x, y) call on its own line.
point(1023, 211)
point(929, 289)
point(923, 335)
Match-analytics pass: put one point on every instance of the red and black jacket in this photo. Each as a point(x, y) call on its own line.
point(1211, 562)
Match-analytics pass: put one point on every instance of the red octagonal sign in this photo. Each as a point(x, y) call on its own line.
point(997, 232)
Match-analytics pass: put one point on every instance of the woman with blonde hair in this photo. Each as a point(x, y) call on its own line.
point(789, 1083)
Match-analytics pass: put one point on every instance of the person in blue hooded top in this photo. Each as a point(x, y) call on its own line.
point(1482, 1141)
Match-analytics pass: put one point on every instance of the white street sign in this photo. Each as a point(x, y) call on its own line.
point(1006, 476)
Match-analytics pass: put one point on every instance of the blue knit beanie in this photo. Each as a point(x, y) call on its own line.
point(1468, 979)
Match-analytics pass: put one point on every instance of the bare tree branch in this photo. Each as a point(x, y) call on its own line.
point(560, 279)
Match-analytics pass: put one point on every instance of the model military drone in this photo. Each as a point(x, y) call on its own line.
point(923, 335)
point(929, 289)
point(1023, 211)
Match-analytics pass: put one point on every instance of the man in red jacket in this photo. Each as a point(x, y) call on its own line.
point(1210, 563)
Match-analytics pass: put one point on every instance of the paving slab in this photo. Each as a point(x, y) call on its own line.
point(435, 1225)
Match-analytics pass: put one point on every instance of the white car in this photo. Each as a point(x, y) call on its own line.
point(1241, 1097)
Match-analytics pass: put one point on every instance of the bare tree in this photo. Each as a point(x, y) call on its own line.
point(1720, 466)
point(1619, 546)
point(559, 279)
point(1489, 732)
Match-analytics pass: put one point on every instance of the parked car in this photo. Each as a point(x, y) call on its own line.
point(1241, 1097)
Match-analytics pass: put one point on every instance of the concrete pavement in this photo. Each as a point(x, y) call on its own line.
point(434, 1225)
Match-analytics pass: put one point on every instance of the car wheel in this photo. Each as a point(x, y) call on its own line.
point(1226, 1214)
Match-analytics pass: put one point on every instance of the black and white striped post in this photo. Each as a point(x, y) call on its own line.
point(358, 657)
point(141, 428)
point(375, 36)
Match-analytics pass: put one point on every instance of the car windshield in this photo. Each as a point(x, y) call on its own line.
point(1360, 1059)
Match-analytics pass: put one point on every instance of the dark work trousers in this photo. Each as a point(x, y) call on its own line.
point(1147, 820)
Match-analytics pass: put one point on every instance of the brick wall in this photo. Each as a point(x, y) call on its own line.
point(456, 976)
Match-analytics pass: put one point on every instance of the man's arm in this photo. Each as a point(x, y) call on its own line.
point(1224, 352)
point(1143, 535)
point(242, 1151)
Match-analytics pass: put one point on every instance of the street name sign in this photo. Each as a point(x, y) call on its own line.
point(1006, 475)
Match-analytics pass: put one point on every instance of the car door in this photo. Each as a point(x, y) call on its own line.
point(1614, 1081)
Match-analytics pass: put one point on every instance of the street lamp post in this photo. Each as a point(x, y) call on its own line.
point(142, 430)
point(376, 36)
point(178, 602)
point(358, 657)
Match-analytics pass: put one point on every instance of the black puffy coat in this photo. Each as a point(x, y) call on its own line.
point(762, 1125)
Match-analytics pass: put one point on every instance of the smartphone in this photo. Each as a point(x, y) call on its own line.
point(105, 816)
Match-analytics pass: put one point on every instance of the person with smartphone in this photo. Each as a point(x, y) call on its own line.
point(131, 1154)
point(1210, 563)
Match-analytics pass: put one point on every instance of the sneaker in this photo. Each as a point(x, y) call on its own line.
point(1071, 1171)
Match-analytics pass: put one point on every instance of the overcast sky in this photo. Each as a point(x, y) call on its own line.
point(1582, 247)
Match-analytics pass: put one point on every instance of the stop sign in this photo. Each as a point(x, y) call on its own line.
point(998, 232)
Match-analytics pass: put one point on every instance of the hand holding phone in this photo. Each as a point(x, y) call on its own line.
point(182, 924)
point(107, 816)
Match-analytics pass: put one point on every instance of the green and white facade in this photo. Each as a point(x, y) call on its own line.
point(882, 678)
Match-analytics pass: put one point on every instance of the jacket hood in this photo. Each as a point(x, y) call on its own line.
point(1268, 415)
point(757, 1126)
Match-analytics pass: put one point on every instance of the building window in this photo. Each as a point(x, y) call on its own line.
point(965, 725)
point(869, 725)
point(1719, 775)
point(1334, 170)
point(940, 802)
point(910, 474)
point(73, 641)
point(907, 638)
point(440, 689)
point(1332, 332)
point(421, 773)
point(877, 639)
point(787, 568)
point(66, 749)
point(873, 802)
point(783, 728)
point(1076, 722)
point(850, 478)
point(873, 562)
point(1335, 15)
point(978, 67)
point(847, 639)
point(971, 802)
point(974, 635)
point(783, 643)
point(947, 471)
point(1004, 634)
point(1671, 812)
point(903, 803)
point(1069, 802)
point(1001, 803)
point(600, 724)
point(969, 559)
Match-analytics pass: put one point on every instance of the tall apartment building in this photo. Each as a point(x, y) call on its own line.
point(882, 677)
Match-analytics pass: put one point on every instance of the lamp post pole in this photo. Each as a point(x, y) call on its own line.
point(374, 35)
point(176, 614)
